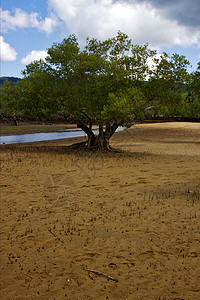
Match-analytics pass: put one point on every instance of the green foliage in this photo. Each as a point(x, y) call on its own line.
point(173, 69)
point(33, 95)
point(195, 82)
point(90, 78)
point(192, 103)
point(167, 87)
point(124, 107)
point(10, 97)
point(109, 83)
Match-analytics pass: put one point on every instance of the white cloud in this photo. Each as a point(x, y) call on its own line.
point(21, 19)
point(49, 24)
point(7, 52)
point(34, 55)
point(141, 21)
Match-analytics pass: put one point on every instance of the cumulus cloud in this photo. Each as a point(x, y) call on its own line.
point(7, 52)
point(34, 55)
point(21, 19)
point(143, 21)
point(49, 24)
point(186, 12)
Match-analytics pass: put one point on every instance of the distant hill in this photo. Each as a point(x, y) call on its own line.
point(12, 79)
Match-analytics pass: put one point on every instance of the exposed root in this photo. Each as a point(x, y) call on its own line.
point(78, 146)
point(83, 146)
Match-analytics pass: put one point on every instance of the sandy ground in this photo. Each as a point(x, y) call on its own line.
point(132, 216)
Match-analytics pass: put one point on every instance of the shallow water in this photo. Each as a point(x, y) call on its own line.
point(48, 136)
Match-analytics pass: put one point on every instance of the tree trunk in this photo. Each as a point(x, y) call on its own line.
point(100, 141)
point(15, 120)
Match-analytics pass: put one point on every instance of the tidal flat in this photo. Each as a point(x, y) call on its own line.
point(92, 225)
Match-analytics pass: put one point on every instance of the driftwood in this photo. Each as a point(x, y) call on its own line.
point(101, 274)
point(56, 236)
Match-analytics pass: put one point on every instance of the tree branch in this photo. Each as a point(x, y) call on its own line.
point(89, 119)
point(84, 127)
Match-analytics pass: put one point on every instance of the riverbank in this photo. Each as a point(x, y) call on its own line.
point(133, 216)
point(24, 128)
point(28, 127)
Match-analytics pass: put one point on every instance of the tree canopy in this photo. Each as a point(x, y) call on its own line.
point(107, 83)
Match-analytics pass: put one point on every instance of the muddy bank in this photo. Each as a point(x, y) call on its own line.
point(133, 216)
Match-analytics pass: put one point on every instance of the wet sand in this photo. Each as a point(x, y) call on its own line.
point(133, 216)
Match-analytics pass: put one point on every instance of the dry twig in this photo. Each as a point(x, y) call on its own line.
point(55, 236)
point(101, 274)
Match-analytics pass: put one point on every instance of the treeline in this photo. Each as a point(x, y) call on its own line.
point(22, 119)
point(63, 119)
point(108, 83)
point(11, 79)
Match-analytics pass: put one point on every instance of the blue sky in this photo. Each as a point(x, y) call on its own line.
point(30, 27)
